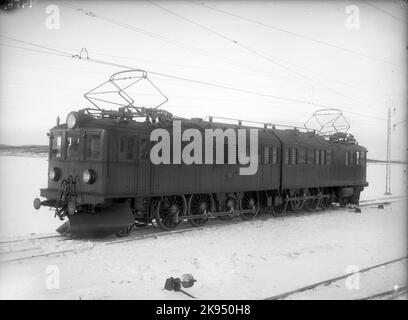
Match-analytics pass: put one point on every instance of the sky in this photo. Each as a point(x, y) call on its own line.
point(267, 61)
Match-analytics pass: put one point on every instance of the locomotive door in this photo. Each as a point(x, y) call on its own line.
point(144, 177)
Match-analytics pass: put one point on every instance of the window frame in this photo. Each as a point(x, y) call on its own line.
point(363, 158)
point(317, 157)
point(274, 155)
point(119, 153)
point(358, 158)
point(52, 136)
point(301, 156)
point(293, 156)
point(266, 159)
point(80, 146)
point(329, 157)
point(310, 156)
point(322, 157)
point(101, 146)
point(286, 156)
point(141, 155)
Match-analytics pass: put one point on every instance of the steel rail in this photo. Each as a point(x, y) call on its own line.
point(329, 281)
point(393, 293)
point(155, 234)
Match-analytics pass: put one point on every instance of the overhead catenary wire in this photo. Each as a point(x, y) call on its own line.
point(295, 34)
point(247, 48)
point(253, 51)
point(385, 12)
point(75, 56)
point(208, 54)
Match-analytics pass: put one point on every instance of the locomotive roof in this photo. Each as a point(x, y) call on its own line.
point(286, 136)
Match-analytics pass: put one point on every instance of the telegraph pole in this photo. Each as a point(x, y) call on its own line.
point(388, 165)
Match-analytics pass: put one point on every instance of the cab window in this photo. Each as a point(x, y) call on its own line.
point(126, 148)
point(56, 145)
point(72, 146)
point(93, 146)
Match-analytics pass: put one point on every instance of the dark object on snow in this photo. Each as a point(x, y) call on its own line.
point(187, 280)
point(357, 210)
point(175, 284)
point(381, 206)
point(172, 284)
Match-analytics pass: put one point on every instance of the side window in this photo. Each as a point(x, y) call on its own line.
point(358, 162)
point(93, 146)
point(329, 156)
point(310, 156)
point(286, 156)
point(274, 155)
point(302, 156)
point(363, 158)
point(126, 148)
point(348, 162)
point(56, 145)
point(144, 148)
point(322, 156)
point(317, 156)
point(266, 155)
point(293, 155)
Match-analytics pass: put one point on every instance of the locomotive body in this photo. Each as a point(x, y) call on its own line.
point(102, 179)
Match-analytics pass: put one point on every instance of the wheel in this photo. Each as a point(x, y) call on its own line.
point(278, 206)
point(343, 202)
point(229, 203)
point(249, 201)
point(197, 205)
point(326, 202)
point(153, 208)
point(168, 211)
point(311, 204)
point(296, 204)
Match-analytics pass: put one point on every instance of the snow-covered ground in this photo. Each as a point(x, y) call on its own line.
point(253, 259)
point(22, 177)
point(250, 260)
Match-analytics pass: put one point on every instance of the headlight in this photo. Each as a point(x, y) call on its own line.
point(72, 120)
point(54, 174)
point(88, 176)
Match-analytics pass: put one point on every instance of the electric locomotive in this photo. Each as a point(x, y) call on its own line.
point(102, 179)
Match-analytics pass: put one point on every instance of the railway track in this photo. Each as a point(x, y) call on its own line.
point(388, 294)
point(342, 277)
point(148, 233)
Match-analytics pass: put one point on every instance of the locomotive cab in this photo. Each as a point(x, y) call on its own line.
point(79, 154)
point(78, 164)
